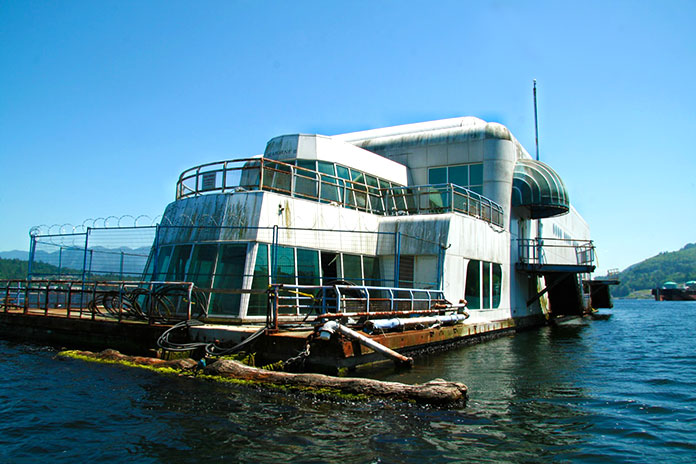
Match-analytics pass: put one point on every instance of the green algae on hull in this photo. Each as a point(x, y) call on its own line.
point(435, 392)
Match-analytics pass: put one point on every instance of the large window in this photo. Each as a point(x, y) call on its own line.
point(260, 281)
point(202, 263)
point(307, 267)
point(465, 175)
point(331, 182)
point(163, 256)
point(352, 269)
point(179, 263)
point(371, 267)
point(229, 275)
point(483, 285)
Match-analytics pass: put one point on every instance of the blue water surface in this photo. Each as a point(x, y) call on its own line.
point(621, 390)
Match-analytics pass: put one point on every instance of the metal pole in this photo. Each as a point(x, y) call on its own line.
point(274, 255)
point(32, 251)
point(155, 253)
point(536, 123)
point(397, 256)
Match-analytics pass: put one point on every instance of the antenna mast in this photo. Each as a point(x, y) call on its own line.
point(536, 123)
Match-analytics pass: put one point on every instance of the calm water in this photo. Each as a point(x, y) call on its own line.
point(622, 390)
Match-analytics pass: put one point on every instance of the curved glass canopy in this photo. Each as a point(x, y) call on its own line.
point(538, 187)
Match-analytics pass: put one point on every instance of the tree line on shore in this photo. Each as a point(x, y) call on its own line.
point(676, 266)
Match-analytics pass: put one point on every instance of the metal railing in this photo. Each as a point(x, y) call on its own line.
point(338, 301)
point(149, 302)
point(254, 174)
point(441, 198)
point(557, 251)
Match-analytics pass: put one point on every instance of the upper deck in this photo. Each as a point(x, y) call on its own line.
point(335, 184)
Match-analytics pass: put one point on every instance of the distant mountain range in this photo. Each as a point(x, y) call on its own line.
point(676, 266)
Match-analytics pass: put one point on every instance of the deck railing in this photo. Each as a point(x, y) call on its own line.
point(555, 251)
point(253, 174)
point(440, 198)
point(149, 302)
point(308, 302)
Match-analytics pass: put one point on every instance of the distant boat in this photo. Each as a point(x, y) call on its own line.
point(671, 291)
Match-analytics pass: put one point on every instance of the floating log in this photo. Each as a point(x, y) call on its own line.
point(435, 392)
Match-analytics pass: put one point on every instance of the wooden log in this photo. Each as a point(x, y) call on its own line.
point(115, 356)
point(435, 392)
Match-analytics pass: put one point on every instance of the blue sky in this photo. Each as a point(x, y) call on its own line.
point(103, 104)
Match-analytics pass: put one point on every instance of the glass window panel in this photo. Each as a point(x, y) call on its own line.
point(326, 168)
point(276, 176)
point(342, 172)
point(305, 187)
point(249, 177)
point(486, 274)
point(352, 270)
point(497, 284)
point(329, 189)
point(229, 275)
point(358, 191)
point(260, 281)
point(458, 175)
point(375, 200)
point(306, 164)
point(399, 197)
point(374, 196)
point(179, 262)
point(437, 175)
point(163, 256)
point(478, 189)
point(388, 195)
point(357, 176)
point(285, 266)
point(202, 262)
point(472, 293)
point(307, 267)
point(372, 277)
point(476, 174)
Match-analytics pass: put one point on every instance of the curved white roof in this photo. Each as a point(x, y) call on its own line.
point(431, 133)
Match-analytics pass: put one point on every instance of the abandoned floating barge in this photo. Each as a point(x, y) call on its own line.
point(335, 251)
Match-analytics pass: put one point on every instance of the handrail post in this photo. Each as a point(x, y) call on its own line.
point(26, 297)
point(198, 175)
point(224, 177)
point(47, 297)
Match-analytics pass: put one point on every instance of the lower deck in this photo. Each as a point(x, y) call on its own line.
point(299, 343)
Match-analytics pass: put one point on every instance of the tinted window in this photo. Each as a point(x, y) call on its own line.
point(473, 285)
point(229, 275)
